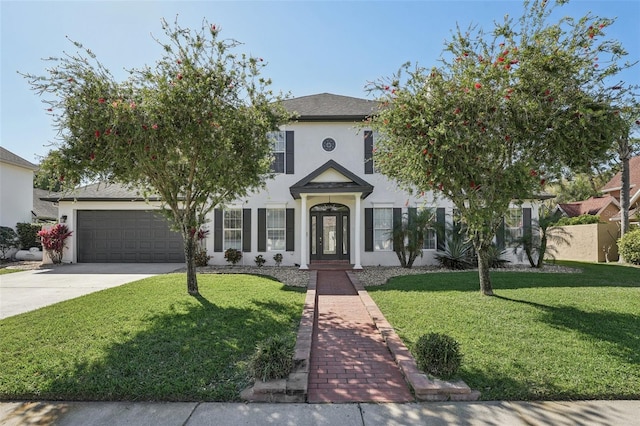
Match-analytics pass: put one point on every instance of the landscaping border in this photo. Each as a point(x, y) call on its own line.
point(424, 388)
point(293, 388)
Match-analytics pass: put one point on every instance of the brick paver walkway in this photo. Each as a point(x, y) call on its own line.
point(349, 360)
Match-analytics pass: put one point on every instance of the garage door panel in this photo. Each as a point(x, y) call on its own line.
point(126, 236)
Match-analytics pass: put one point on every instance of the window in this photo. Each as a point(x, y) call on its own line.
point(276, 229)
point(513, 225)
point(232, 229)
point(429, 239)
point(382, 229)
point(279, 145)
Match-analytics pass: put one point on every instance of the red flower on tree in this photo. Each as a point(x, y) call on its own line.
point(478, 85)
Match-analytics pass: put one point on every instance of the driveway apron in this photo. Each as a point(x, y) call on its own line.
point(350, 361)
point(29, 290)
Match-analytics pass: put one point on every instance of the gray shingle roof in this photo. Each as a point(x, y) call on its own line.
point(329, 107)
point(102, 192)
point(9, 157)
point(44, 210)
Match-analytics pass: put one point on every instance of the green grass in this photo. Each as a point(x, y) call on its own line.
point(544, 336)
point(148, 340)
point(8, 271)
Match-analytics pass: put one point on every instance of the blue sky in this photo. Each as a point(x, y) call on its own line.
point(310, 47)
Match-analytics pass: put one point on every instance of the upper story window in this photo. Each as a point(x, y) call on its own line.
point(279, 147)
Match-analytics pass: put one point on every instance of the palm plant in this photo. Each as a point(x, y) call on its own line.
point(541, 241)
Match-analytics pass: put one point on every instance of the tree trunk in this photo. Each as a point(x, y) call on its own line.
point(483, 271)
point(624, 196)
point(189, 258)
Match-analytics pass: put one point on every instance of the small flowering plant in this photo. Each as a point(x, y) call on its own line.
point(53, 241)
point(233, 256)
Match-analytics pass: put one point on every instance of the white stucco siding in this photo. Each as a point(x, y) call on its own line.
point(16, 189)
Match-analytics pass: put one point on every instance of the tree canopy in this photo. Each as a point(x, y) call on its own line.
point(504, 112)
point(192, 129)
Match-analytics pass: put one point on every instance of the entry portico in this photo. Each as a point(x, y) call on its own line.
point(325, 226)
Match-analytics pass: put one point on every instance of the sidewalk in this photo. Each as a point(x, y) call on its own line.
point(609, 413)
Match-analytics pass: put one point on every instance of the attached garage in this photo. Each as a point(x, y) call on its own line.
point(126, 236)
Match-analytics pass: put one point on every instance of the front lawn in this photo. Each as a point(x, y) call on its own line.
point(544, 336)
point(147, 340)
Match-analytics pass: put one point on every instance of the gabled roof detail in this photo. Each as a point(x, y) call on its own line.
point(634, 177)
point(9, 157)
point(592, 206)
point(351, 183)
point(330, 107)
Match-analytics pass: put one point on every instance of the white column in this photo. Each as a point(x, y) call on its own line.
point(304, 236)
point(357, 235)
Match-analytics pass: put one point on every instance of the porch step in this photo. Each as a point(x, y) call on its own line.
point(333, 265)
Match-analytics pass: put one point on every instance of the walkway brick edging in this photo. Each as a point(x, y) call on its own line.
point(424, 388)
point(295, 387)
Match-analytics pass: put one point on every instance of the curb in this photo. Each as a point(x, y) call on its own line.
point(424, 388)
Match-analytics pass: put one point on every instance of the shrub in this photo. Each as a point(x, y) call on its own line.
point(273, 358)
point(8, 240)
point(457, 255)
point(277, 258)
point(201, 258)
point(583, 219)
point(438, 354)
point(629, 247)
point(496, 259)
point(260, 260)
point(53, 241)
point(28, 235)
point(233, 256)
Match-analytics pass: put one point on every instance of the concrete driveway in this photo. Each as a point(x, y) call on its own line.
point(29, 290)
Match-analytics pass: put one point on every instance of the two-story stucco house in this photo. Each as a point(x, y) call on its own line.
point(325, 203)
point(16, 189)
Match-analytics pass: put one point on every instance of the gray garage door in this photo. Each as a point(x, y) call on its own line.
point(126, 236)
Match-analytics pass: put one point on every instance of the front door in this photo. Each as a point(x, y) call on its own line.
point(329, 232)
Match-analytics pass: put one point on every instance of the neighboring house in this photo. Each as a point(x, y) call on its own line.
point(16, 185)
point(44, 211)
point(604, 207)
point(326, 202)
point(614, 186)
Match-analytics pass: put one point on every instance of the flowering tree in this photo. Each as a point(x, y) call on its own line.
point(504, 112)
point(53, 241)
point(192, 129)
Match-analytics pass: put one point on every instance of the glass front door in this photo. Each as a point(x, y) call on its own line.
point(329, 232)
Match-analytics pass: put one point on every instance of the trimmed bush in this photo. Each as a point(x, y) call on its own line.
point(28, 235)
point(584, 219)
point(438, 354)
point(629, 247)
point(233, 256)
point(201, 258)
point(277, 258)
point(8, 240)
point(273, 358)
point(259, 260)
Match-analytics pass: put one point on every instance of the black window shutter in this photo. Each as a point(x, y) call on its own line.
point(289, 152)
point(217, 230)
point(411, 217)
point(246, 230)
point(368, 229)
point(290, 219)
point(397, 221)
point(526, 221)
point(440, 229)
point(500, 235)
point(262, 230)
point(368, 152)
